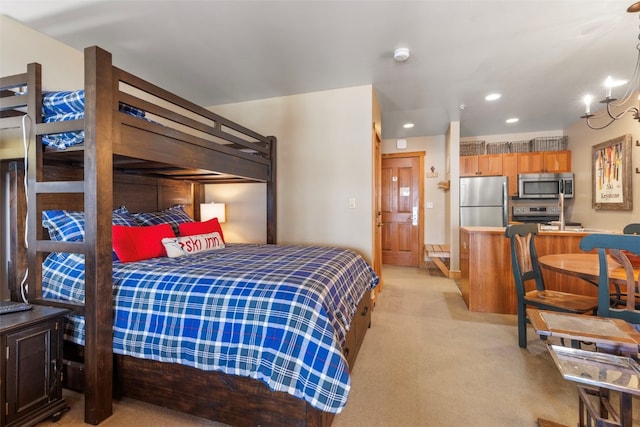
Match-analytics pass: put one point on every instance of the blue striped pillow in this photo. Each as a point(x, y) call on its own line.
point(68, 226)
point(173, 216)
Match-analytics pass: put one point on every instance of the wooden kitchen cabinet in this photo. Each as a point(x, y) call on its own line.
point(31, 376)
point(512, 164)
point(544, 162)
point(531, 162)
point(481, 165)
point(468, 165)
point(486, 276)
point(510, 170)
point(557, 161)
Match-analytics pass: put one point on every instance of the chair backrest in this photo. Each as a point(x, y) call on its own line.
point(614, 245)
point(524, 259)
point(631, 229)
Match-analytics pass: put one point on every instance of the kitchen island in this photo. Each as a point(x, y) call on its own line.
point(486, 281)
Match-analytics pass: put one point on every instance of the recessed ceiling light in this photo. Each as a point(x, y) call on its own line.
point(492, 96)
point(512, 120)
point(408, 125)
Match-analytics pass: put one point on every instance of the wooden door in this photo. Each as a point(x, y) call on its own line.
point(401, 209)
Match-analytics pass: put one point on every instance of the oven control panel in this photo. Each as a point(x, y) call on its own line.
point(536, 210)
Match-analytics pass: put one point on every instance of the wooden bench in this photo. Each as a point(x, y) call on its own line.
point(547, 423)
point(439, 253)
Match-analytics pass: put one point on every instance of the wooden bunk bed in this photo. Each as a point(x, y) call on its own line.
point(178, 147)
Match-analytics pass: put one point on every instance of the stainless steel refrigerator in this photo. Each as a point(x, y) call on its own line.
point(484, 201)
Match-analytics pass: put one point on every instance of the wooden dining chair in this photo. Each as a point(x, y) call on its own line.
point(618, 297)
point(530, 289)
point(615, 245)
point(633, 228)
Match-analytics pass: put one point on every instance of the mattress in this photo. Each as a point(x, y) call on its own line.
point(279, 314)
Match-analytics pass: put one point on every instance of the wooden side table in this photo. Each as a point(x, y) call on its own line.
point(31, 343)
point(597, 372)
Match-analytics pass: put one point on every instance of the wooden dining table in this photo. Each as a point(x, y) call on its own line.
point(585, 266)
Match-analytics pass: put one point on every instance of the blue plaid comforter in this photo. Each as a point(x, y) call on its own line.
point(279, 314)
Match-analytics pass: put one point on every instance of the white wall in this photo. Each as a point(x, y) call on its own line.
point(581, 141)
point(324, 159)
point(63, 65)
point(246, 220)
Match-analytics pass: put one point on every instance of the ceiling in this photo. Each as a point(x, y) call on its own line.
point(541, 55)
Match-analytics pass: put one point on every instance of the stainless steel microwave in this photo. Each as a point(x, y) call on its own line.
point(545, 185)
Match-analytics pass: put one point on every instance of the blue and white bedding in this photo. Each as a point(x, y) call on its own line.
point(69, 105)
point(279, 314)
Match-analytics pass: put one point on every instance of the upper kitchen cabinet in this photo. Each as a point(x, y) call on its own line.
point(510, 170)
point(481, 165)
point(544, 162)
point(557, 161)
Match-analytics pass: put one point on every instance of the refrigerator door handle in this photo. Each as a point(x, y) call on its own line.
point(505, 202)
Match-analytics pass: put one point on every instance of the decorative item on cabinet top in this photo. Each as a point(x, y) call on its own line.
point(471, 148)
point(497, 147)
point(544, 143)
point(520, 146)
point(550, 143)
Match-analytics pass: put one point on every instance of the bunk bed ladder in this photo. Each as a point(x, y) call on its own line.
point(95, 188)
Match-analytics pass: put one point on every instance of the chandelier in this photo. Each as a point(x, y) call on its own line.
point(611, 103)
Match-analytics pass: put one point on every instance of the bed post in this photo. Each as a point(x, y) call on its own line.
point(17, 266)
point(98, 204)
point(34, 176)
point(272, 217)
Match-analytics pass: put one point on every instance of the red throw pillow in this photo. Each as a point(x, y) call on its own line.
point(138, 243)
point(205, 227)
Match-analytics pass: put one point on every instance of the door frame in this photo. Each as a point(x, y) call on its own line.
point(377, 213)
point(421, 177)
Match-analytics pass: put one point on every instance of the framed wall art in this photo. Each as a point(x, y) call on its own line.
point(611, 174)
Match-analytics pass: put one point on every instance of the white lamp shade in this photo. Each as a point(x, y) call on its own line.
point(213, 210)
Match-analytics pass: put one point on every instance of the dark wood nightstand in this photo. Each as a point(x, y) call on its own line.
point(31, 372)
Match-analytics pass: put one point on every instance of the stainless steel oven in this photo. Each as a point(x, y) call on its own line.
point(545, 185)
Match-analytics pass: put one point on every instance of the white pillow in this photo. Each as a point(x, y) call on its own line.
point(187, 245)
